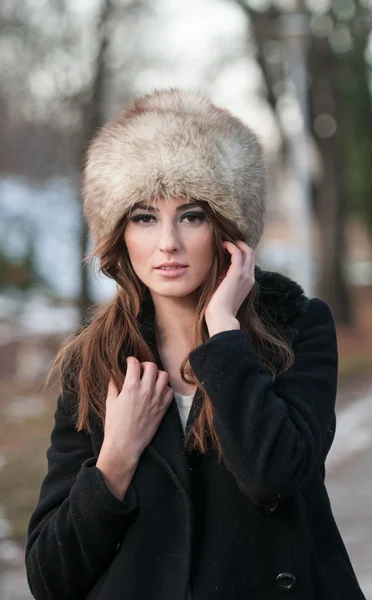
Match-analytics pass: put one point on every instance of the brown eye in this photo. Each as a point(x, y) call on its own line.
point(199, 216)
point(139, 218)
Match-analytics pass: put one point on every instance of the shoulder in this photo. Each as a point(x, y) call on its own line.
point(284, 301)
point(280, 299)
point(315, 330)
point(283, 306)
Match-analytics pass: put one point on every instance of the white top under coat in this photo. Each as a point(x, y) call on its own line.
point(184, 404)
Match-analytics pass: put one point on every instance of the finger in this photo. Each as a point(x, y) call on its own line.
point(150, 371)
point(161, 385)
point(237, 257)
point(247, 254)
point(236, 254)
point(245, 248)
point(133, 368)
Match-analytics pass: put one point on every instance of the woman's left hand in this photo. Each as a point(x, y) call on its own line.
point(235, 285)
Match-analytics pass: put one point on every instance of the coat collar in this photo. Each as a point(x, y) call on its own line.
point(280, 301)
point(280, 297)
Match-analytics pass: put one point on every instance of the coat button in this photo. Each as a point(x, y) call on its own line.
point(271, 508)
point(286, 582)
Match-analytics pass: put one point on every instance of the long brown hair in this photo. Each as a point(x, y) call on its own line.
point(87, 359)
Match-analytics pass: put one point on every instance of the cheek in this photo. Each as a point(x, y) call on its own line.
point(138, 247)
point(207, 243)
point(203, 253)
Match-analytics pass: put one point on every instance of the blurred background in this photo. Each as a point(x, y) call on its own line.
point(300, 73)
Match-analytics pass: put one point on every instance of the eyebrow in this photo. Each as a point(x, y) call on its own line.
point(151, 208)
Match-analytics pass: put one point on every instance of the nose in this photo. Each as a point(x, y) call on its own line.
point(169, 237)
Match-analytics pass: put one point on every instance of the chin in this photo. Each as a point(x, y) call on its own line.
point(174, 289)
point(175, 293)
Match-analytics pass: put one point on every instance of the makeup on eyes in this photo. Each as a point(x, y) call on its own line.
point(200, 216)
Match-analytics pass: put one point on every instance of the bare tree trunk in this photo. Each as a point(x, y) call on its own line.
point(92, 116)
point(264, 27)
point(329, 201)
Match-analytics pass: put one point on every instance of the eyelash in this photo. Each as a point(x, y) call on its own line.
point(200, 216)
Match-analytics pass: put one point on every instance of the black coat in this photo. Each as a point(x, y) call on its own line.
point(256, 526)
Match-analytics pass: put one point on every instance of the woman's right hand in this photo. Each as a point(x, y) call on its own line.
point(133, 416)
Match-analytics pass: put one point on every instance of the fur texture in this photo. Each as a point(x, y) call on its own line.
point(175, 143)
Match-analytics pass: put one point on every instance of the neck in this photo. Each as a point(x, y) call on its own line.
point(174, 319)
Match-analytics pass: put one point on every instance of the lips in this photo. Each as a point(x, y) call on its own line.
point(175, 266)
point(172, 272)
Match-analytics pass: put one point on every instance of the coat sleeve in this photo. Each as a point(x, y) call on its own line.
point(274, 435)
point(77, 523)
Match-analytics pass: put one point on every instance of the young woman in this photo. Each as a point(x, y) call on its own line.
point(198, 405)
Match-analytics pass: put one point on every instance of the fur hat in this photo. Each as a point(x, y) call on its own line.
point(175, 143)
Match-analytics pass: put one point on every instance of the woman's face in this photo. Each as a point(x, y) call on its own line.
point(170, 231)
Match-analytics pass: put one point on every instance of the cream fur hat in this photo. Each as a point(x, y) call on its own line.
point(175, 143)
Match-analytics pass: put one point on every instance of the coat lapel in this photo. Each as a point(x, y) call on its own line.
point(280, 301)
point(167, 445)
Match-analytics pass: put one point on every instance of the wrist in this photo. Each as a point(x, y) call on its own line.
point(117, 477)
point(108, 457)
point(219, 323)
